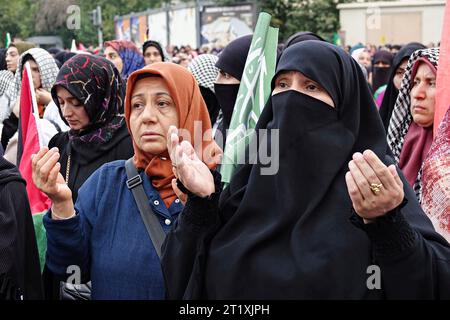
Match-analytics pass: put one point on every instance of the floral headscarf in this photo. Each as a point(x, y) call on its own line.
point(132, 59)
point(96, 83)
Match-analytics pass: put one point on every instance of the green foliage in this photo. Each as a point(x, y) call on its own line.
point(25, 18)
point(16, 18)
point(291, 16)
point(110, 9)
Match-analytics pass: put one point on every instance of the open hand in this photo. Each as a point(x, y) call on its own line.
point(192, 172)
point(373, 188)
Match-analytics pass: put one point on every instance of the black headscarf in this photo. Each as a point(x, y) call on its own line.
point(3, 59)
point(302, 36)
point(151, 43)
point(390, 96)
point(232, 61)
point(54, 51)
point(233, 56)
point(63, 56)
point(288, 235)
point(381, 75)
point(97, 84)
point(19, 262)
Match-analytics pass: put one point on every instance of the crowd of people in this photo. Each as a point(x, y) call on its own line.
point(364, 174)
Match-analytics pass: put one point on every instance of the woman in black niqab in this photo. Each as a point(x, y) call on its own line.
point(381, 68)
point(391, 94)
point(293, 234)
point(232, 62)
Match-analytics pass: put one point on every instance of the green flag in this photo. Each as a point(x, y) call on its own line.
point(8, 40)
point(337, 39)
point(254, 91)
point(41, 236)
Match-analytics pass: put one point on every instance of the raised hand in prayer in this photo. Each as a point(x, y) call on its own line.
point(188, 168)
point(48, 179)
point(374, 188)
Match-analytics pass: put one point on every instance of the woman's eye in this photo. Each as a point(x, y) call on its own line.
point(312, 87)
point(224, 74)
point(163, 104)
point(282, 84)
point(136, 105)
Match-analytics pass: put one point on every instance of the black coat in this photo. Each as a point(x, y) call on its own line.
point(19, 261)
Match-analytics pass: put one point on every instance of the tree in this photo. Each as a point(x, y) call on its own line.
point(16, 17)
point(25, 18)
point(110, 9)
point(318, 16)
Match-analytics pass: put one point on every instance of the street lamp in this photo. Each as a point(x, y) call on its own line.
point(96, 18)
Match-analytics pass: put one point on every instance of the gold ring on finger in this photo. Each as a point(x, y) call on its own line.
point(376, 188)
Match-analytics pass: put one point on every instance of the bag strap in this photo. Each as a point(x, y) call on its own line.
point(154, 229)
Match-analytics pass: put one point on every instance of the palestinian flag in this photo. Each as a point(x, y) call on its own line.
point(30, 143)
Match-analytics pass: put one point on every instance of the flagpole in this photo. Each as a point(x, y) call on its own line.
point(33, 97)
point(254, 90)
point(8, 40)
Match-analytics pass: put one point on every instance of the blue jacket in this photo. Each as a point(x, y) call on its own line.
point(107, 238)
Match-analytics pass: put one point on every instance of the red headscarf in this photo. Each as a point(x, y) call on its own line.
point(418, 140)
point(191, 108)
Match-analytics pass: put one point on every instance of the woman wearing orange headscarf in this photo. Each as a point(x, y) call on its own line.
point(104, 234)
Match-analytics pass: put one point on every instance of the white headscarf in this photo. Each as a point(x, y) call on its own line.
point(47, 69)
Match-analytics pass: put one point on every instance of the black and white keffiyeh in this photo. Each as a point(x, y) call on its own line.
point(47, 69)
point(204, 70)
point(401, 116)
point(6, 80)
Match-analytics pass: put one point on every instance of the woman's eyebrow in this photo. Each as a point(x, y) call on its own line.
point(284, 73)
point(137, 95)
point(153, 94)
point(162, 94)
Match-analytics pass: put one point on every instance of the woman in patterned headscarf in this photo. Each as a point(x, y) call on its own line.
point(88, 92)
point(125, 56)
point(43, 71)
point(205, 72)
point(410, 131)
point(423, 160)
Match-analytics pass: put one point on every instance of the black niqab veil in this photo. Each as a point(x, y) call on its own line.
point(232, 61)
point(391, 94)
point(380, 75)
point(288, 235)
point(233, 56)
